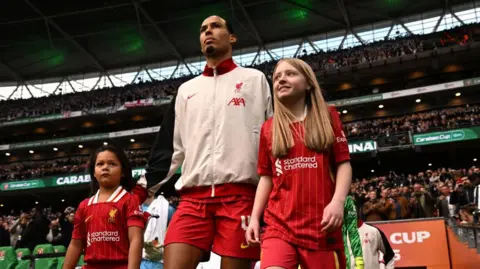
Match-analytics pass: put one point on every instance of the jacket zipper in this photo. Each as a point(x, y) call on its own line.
point(213, 130)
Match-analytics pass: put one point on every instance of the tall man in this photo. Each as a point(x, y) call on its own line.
point(215, 134)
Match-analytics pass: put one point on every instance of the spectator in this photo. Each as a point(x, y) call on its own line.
point(36, 230)
point(422, 203)
point(373, 210)
point(4, 234)
point(444, 206)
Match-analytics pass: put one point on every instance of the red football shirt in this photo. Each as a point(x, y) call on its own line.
point(303, 185)
point(104, 226)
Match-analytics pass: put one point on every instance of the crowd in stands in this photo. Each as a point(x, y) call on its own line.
point(41, 226)
point(438, 119)
point(448, 193)
point(333, 59)
point(61, 166)
point(433, 120)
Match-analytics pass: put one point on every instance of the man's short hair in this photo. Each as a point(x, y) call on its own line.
point(229, 27)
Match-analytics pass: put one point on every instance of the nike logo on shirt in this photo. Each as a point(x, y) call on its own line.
point(190, 96)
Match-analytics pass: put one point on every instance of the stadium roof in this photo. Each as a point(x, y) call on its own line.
point(42, 39)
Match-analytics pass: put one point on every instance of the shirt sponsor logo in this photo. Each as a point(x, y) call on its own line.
point(237, 101)
point(295, 163)
point(341, 139)
point(104, 236)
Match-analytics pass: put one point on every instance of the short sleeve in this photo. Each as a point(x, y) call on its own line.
point(264, 166)
point(140, 193)
point(79, 227)
point(134, 213)
point(340, 145)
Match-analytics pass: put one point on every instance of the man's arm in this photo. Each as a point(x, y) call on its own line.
point(167, 153)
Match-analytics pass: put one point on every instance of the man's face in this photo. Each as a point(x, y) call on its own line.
point(385, 193)
point(417, 188)
point(214, 37)
point(394, 192)
point(445, 190)
point(372, 195)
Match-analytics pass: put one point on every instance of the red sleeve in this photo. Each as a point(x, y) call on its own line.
point(340, 150)
point(135, 215)
point(140, 193)
point(79, 228)
point(264, 166)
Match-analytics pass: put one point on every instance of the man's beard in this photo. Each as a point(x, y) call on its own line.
point(210, 51)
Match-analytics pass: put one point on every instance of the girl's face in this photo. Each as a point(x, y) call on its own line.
point(108, 170)
point(289, 83)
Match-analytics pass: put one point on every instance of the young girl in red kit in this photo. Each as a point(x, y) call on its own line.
point(304, 164)
point(109, 225)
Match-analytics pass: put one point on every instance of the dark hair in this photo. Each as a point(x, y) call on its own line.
point(229, 27)
point(126, 181)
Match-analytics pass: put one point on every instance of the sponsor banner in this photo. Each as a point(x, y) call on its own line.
point(471, 82)
point(59, 141)
point(362, 146)
point(32, 119)
point(64, 115)
point(139, 103)
point(418, 243)
point(23, 185)
point(446, 136)
point(58, 181)
point(82, 138)
point(162, 101)
point(134, 132)
point(426, 89)
point(357, 100)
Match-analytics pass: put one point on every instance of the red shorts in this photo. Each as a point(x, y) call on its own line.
point(219, 222)
point(277, 252)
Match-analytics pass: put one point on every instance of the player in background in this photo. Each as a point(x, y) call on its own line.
point(351, 238)
point(108, 225)
point(305, 170)
point(377, 252)
point(213, 133)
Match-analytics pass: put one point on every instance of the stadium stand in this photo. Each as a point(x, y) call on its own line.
point(392, 149)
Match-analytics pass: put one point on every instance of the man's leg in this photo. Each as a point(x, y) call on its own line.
point(182, 256)
point(189, 236)
point(231, 222)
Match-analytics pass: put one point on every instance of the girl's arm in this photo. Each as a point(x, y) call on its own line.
point(261, 197)
point(135, 236)
point(333, 213)
point(73, 254)
point(343, 181)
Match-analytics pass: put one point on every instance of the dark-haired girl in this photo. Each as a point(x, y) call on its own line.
point(109, 225)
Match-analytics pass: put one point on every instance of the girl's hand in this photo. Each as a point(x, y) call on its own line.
point(253, 232)
point(332, 216)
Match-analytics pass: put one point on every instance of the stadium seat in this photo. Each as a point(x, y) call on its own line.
point(7, 258)
point(60, 260)
point(22, 264)
point(45, 263)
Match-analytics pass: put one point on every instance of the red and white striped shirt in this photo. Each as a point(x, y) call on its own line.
point(303, 185)
point(104, 226)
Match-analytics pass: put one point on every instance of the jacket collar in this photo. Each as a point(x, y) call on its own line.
point(224, 67)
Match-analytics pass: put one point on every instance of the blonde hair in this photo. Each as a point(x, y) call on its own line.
point(318, 132)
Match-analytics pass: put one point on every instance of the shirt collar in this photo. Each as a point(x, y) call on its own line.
point(224, 67)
